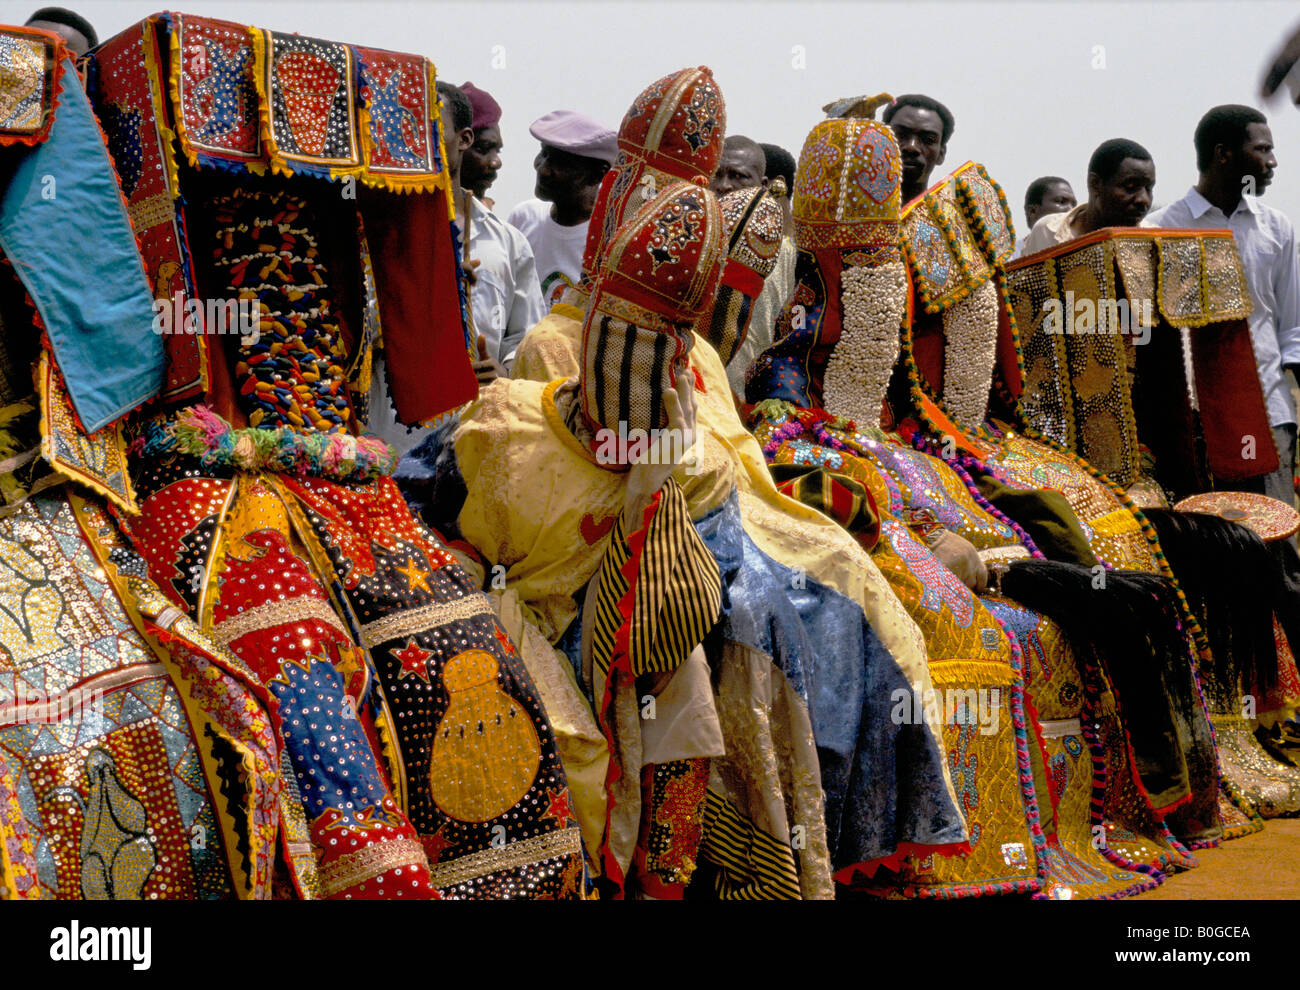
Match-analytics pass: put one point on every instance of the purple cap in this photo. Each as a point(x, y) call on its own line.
point(576, 133)
point(487, 111)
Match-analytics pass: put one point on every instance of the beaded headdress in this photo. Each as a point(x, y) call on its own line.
point(838, 336)
point(673, 131)
point(659, 274)
point(754, 229)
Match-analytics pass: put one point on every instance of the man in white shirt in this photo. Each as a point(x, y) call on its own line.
point(576, 153)
point(505, 301)
point(1235, 162)
point(501, 280)
point(1046, 195)
point(1121, 176)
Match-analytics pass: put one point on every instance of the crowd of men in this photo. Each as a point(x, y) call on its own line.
point(523, 264)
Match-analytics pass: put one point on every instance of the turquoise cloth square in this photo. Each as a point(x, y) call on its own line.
point(64, 227)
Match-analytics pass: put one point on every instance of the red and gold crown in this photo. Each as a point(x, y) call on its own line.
point(658, 275)
point(678, 122)
point(673, 130)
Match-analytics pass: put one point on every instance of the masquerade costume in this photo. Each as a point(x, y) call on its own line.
point(970, 378)
point(773, 644)
point(415, 735)
point(1163, 420)
point(138, 757)
point(834, 361)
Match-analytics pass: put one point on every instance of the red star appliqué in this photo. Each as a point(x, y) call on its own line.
point(413, 660)
point(435, 844)
point(559, 807)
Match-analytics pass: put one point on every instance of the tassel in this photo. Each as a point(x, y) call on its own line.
point(1128, 621)
point(1232, 582)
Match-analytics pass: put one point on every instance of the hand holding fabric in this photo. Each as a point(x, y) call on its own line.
point(649, 472)
point(960, 556)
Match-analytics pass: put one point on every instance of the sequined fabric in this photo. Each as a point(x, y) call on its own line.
point(1113, 532)
point(29, 72)
point(309, 86)
point(119, 756)
point(128, 96)
point(323, 589)
point(483, 777)
point(1071, 762)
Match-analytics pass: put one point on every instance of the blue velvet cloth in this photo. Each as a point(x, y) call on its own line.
point(883, 782)
point(64, 227)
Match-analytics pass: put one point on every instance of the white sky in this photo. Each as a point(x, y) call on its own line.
point(1019, 77)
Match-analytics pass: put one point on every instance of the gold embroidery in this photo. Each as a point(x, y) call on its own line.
point(423, 619)
point(150, 212)
point(552, 845)
point(22, 77)
point(276, 614)
point(371, 861)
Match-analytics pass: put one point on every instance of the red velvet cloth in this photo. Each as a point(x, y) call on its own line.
point(411, 251)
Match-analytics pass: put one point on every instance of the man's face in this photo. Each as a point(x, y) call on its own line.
point(740, 168)
point(561, 175)
point(1059, 198)
point(454, 141)
point(1255, 159)
point(920, 142)
point(1124, 199)
point(482, 160)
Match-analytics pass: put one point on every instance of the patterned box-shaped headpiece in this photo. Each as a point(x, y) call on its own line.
point(755, 226)
point(659, 275)
point(673, 130)
point(955, 238)
point(855, 206)
point(838, 337)
point(1100, 325)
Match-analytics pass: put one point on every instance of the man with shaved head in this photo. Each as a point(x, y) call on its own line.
point(74, 29)
point(743, 166)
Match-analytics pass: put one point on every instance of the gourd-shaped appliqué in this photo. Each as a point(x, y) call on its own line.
point(486, 753)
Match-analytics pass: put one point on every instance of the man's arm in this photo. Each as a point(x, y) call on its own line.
point(1287, 294)
point(526, 307)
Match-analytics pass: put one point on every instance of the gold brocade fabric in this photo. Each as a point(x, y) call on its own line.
point(1113, 532)
point(1066, 779)
point(981, 742)
point(766, 794)
point(1271, 787)
point(1076, 386)
point(550, 349)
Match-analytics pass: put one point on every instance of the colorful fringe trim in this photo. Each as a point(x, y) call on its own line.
point(199, 432)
